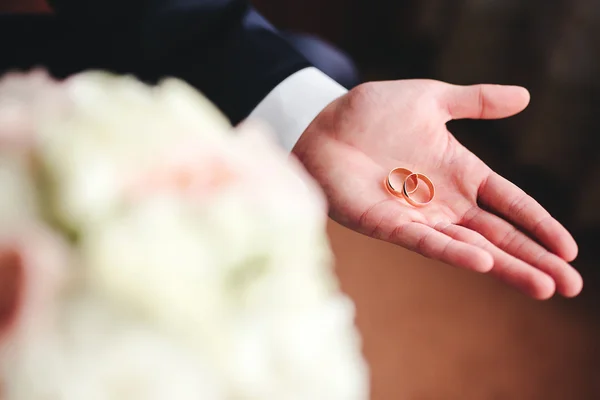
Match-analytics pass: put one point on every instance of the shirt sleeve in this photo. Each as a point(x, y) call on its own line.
point(293, 104)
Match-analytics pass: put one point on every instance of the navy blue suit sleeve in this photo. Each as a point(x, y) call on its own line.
point(225, 48)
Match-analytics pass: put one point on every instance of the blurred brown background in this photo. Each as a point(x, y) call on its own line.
point(430, 331)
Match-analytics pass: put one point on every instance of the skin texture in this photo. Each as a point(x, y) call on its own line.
point(478, 220)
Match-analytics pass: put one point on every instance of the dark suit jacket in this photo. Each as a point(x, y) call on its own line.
point(222, 47)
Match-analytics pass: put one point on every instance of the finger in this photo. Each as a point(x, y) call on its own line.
point(508, 238)
point(484, 101)
point(507, 268)
point(433, 244)
point(506, 199)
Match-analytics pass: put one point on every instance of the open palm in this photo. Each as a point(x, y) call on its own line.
point(477, 220)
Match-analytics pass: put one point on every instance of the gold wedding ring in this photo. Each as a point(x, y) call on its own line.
point(406, 173)
point(407, 193)
point(409, 186)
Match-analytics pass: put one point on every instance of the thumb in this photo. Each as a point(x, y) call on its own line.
point(484, 101)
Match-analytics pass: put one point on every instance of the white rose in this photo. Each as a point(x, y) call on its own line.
point(112, 128)
point(95, 351)
point(199, 245)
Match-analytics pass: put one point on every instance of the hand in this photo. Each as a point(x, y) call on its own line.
point(353, 144)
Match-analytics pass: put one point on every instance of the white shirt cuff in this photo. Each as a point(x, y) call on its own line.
point(294, 103)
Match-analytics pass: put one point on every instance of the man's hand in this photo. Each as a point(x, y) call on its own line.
point(477, 220)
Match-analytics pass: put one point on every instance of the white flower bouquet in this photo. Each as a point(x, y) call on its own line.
point(163, 254)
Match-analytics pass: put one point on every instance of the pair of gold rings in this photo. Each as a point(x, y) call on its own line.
point(410, 186)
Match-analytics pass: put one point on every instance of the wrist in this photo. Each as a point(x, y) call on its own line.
point(295, 103)
point(320, 130)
